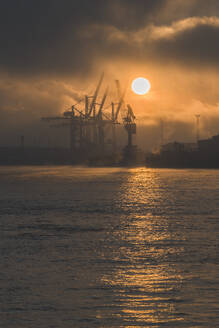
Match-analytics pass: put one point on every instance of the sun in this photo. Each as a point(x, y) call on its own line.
point(141, 86)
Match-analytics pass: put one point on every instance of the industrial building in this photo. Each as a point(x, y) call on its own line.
point(203, 154)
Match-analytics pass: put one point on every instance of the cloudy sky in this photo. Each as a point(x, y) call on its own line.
point(53, 52)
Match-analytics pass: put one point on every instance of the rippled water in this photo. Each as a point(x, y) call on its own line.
point(108, 247)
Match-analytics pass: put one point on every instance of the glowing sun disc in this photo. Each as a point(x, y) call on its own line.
point(141, 86)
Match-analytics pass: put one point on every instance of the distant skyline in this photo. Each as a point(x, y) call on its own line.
point(53, 52)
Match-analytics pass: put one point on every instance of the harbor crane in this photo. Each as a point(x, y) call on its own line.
point(130, 125)
point(128, 116)
point(88, 125)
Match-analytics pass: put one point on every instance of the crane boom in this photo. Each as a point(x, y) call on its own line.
point(130, 113)
point(102, 102)
point(121, 99)
point(95, 95)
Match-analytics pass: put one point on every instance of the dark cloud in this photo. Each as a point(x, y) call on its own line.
point(196, 46)
point(44, 36)
point(68, 37)
point(53, 37)
point(175, 10)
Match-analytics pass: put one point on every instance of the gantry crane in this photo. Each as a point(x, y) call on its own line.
point(87, 125)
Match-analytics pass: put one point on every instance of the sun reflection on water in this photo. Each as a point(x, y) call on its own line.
point(145, 281)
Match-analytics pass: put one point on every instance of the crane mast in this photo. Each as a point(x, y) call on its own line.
point(130, 125)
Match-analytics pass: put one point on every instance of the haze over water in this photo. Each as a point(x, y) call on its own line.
point(108, 247)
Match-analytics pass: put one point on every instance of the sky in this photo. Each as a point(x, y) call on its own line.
point(53, 52)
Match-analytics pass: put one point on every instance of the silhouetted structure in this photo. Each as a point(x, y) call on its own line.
point(92, 135)
point(203, 154)
point(89, 127)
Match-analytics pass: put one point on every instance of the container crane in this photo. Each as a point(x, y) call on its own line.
point(87, 126)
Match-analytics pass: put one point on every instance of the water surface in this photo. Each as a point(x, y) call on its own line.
point(108, 247)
